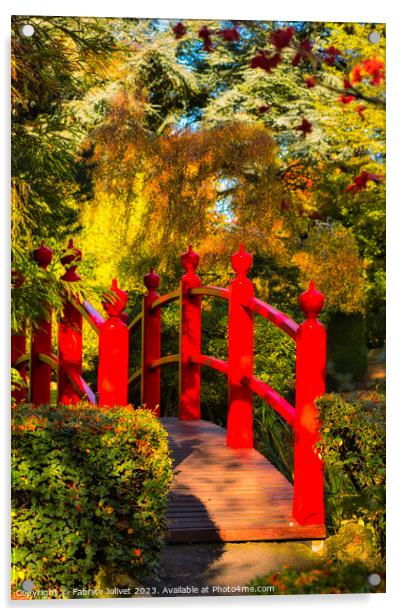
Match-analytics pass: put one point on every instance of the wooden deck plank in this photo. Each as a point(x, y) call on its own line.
point(222, 494)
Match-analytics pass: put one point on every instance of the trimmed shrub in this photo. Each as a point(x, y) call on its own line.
point(353, 447)
point(89, 490)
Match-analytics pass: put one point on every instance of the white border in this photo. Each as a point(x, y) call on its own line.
point(306, 10)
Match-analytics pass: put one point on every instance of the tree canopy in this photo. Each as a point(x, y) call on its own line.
point(145, 135)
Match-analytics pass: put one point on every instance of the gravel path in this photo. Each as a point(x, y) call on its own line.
point(209, 569)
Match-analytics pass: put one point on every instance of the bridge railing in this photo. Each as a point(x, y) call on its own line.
point(113, 373)
point(310, 338)
point(112, 387)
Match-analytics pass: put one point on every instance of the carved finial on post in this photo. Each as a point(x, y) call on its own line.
point(241, 262)
point(311, 301)
point(152, 281)
point(190, 260)
point(70, 259)
point(42, 255)
point(115, 300)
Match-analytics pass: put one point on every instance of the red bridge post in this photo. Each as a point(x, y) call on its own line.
point(151, 344)
point(190, 339)
point(70, 332)
point(18, 345)
point(113, 350)
point(308, 500)
point(240, 354)
point(41, 373)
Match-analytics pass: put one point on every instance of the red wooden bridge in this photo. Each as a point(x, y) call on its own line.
point(223, 489)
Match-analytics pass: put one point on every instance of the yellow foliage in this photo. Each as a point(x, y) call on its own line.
point(330, 257)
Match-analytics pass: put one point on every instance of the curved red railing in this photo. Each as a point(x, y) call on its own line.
point(278, 318)
point(271, 397)
point(242, 384)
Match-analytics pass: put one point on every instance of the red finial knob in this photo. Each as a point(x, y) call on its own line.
point(311, 301)
point(241, 261)
point(190, 260)
point(114, 301)
point(152, 280)
point(70, 259)
point(42, 255)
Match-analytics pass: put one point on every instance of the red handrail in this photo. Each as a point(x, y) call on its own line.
point(92, 316)
point(211, 362)
point(81, 386)
point(279, 404)
point(165, 299)
point(278, 318)
point(210, 291)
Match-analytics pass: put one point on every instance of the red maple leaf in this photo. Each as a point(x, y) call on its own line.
point(310, 82)
point(305, 127)
point(346, 84)
point(303, 51)
point(205, 34)
point(229, 34)
point(265, 62)
point(346, 98)
point(330, 54)
point(356, 74)
point(360, 181)
point(179, 30)
point(281, 38)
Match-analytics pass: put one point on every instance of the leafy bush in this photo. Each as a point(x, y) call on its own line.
point(330, 578)
point(353, 448)
point(89, 489)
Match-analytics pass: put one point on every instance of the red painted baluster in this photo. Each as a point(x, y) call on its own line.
point(151, 345)
point(308, 499)
point(190, 339)
point(18, 345)
point(113, 350)
point(70, 332)
point(240, 354)
point(41, 373)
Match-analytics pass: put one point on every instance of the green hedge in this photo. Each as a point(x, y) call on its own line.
point(89, 490)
